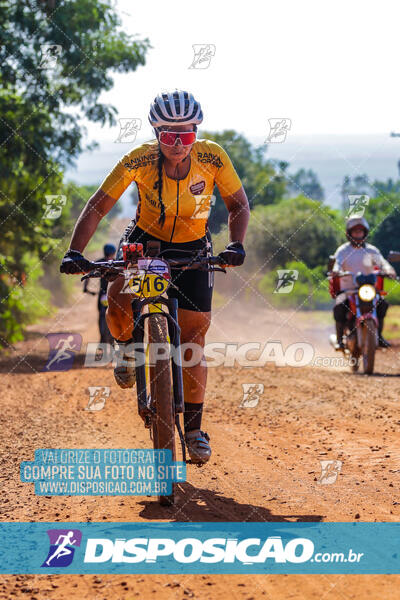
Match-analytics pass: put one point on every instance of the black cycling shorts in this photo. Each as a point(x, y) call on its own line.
point(194, 287)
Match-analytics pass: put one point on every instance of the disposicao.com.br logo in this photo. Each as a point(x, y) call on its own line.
point(212, 550)
point(225, 548)
point(191, 550)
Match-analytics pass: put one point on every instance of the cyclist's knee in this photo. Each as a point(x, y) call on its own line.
point(119, 304)
point(119, 313)
point(120, 327)
point(114, 291)
point(192, 335)
point(113, 313)
point(194, 326)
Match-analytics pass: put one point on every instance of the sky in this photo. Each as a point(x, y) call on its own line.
point(329, 67)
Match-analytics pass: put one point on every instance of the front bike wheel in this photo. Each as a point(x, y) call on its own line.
point(354, 352)
point(369, 343)
point(163, 422)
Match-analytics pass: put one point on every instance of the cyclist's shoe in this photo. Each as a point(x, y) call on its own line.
point(125, 376)
point(198, 447)
point(124, 371)
point(339, 346)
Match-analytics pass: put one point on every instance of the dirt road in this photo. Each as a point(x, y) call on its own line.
point(265, 464)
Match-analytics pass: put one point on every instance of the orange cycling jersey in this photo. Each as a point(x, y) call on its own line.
point(187, 201)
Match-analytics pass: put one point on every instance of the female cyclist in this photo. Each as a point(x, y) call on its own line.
point(175, 176)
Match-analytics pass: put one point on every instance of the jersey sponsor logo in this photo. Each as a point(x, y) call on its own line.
point(197, 188)
point(141, 161)
point(152, 201)
point(209, 157)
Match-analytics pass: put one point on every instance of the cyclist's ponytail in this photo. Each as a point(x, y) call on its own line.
point(161, 218)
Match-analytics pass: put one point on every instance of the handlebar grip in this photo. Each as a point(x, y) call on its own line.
point(216, 260)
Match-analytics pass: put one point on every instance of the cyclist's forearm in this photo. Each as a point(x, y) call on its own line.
point(96, 208)
point(239, 213)
point(237, 223)
point(84, 229)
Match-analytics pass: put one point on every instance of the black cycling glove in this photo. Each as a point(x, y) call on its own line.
point(73, 262)
point(234, 254)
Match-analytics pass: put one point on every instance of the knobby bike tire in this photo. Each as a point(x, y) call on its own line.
point(163, 424)
point(369, 345)
point(354, 352)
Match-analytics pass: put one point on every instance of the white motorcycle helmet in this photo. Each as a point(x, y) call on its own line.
point(353, 222)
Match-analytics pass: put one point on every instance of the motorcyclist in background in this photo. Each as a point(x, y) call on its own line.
point(109, 252)
point(357, 256)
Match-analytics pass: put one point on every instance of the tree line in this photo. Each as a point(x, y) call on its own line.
point(55, 60)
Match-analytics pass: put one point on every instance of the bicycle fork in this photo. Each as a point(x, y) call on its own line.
point(174, 332)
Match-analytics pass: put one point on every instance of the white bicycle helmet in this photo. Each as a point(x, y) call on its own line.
point(175, 107)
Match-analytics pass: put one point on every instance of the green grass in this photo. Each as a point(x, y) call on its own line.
point(392, 323)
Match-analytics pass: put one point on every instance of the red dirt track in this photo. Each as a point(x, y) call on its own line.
point(265, 464)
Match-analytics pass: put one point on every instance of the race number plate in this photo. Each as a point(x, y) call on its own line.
point(151, 279)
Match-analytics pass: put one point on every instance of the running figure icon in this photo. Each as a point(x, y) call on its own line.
point(62, 549)
point(63, 348)
point(63, 543)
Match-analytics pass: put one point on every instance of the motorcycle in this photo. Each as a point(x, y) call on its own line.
point(361, 330)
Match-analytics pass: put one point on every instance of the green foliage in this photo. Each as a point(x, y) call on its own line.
point(41, 110)
point(393, 291)
point(306, 182)
point(386, 187)
point(297, 229)
point(359, 184)
point(264, 181)
point(310, 290)
point(23, 300)
point(92, 46)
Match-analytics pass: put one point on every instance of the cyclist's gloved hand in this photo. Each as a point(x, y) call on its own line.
point(73, 262)
point(234, 254)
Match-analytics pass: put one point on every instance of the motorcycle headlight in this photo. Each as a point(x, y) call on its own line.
point(367, 292)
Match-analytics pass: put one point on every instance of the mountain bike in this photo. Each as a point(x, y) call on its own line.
point(159, 383)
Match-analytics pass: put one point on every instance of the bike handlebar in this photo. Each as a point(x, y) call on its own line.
point(115, 267)
point(347, 273)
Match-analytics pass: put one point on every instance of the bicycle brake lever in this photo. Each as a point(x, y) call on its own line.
point(90, 275)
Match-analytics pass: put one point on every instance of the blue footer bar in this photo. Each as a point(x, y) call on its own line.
point(210, 548)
